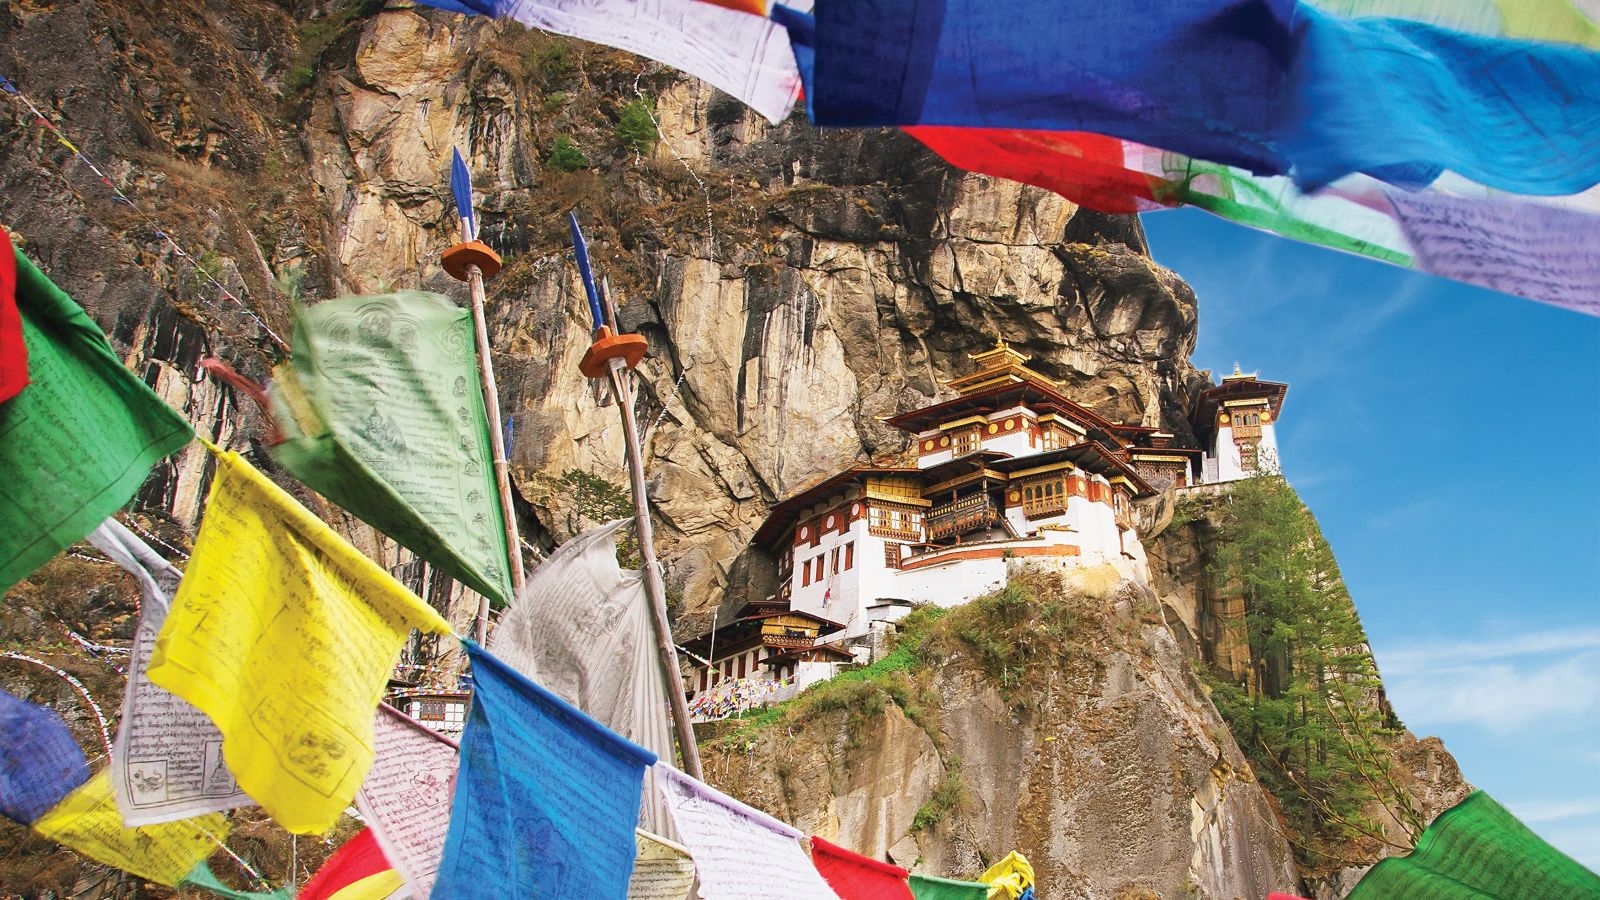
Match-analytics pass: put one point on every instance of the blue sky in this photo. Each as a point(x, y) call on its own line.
point(1448, 440)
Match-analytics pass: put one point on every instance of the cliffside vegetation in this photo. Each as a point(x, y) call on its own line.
point(1310, 713)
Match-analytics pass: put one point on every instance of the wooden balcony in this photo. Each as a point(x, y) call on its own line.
point(960, 517)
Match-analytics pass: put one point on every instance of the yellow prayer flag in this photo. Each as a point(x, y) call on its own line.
point(285, 635)
point(1009, 877)
point(88, 821)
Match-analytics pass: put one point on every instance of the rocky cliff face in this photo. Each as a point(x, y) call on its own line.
point(796, 287)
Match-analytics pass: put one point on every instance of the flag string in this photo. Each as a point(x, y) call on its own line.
point(61, 138)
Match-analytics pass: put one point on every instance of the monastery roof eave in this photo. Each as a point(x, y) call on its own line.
point(991, 399)
point(1086, 454)
point(1205, 407)
point(787, 512)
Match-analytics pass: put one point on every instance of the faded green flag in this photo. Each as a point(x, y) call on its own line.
point(1477, 850)
point(79, 439)
point(384, 416)
point(928, 887)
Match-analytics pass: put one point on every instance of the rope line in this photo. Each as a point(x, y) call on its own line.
point(117, 194)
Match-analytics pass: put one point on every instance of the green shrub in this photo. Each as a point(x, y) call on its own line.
point(949, 796)
point(636, 128)
point(564, 156)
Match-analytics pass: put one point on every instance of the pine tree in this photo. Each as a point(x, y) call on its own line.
point(1311, 712)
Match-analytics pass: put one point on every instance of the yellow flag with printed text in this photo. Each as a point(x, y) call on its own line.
point(88, 822)
point(285, 635)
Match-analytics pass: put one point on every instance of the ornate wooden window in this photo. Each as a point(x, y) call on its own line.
point(1055, 437)
point(967, 441)
point(1043, 497)
point(903, 523)
point(891, 555)
point(1248, 456)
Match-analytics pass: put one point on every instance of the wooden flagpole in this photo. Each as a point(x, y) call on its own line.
point(611, 356)
point(472, 262)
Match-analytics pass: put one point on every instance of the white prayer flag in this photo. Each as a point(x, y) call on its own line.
point(406, 797)
point(167, 762)
point(745, 55)
point(740, 852)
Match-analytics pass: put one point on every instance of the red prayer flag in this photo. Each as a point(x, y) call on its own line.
point(1277, 896)
point(356, 871)
point(13, 353)
point(753, 7)
point(856, 877)
point(1088, 169)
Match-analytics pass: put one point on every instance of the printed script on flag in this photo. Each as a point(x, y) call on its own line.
point(406, 797)
point(662, 870)
point(88, 822)
point(167, 761)
point(285, 635)
point(740, 852)
point(78, 442)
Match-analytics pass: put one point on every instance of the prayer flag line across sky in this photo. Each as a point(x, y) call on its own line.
point(1453, 139)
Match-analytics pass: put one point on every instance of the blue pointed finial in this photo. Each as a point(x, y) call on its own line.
point(583, 269)
point(461, 186)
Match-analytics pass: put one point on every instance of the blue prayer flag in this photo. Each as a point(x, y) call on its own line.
point(546, 798)
point(1273, 86)
point(461, 186)
point(40, 763)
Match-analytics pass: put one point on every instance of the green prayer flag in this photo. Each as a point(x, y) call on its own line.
point(1474, 851)
point(384, 416)
point(77, 443)
point(929, 887)
point(203, 878)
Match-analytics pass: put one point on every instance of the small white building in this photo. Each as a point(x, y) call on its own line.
point(1236, 422)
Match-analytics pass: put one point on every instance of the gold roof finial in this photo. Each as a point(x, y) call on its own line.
point(1236, 368)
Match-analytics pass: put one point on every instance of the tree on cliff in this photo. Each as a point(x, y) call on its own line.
point(1311, 711)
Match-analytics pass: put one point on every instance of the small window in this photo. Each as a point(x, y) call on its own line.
point(833, 564)
point(816, 575)
point(849, 555)
point(966, 442)
point(805, 573)
point(741, 666)
point(891, 555)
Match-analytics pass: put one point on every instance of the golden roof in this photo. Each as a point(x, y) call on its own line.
point(1000, 365)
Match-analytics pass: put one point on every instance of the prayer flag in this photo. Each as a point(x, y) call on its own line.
point(746, 56)
point(1276, 87)
point(739, 851)
point(285, 636)
point(546, 798)
point(582, 630)
point(1543, 20)
point(358, 870)
point(206, 880)
point(1541, 248)
point(1473, 850)
point(78, 442)
point(856, 877)
point(167, 761)
point(1010, 878)
point(384, 415)
point(406, 797)
point(929, 887)
point(88, 822)
point(13, 352)
point(662, 870)
point(40, 762)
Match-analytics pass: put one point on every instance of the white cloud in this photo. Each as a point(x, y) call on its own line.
point(1443, 654)
point(1551, 811)
point(1501, 697)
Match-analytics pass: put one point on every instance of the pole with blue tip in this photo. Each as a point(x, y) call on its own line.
point(472, 261)
point(611, 356)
